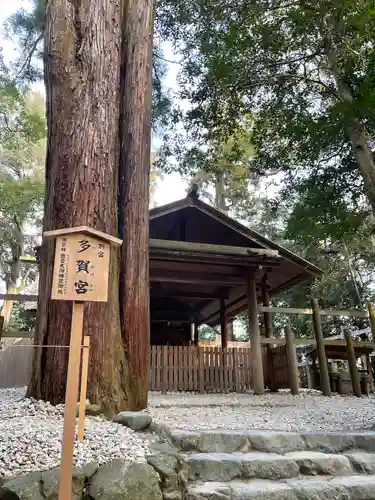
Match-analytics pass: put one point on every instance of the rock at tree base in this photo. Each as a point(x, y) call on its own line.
point(26, 487)
point(138, 421)
point(51, 478)
point(120, 480)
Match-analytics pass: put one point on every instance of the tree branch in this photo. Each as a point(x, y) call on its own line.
point(26, 65)
point(166, 60)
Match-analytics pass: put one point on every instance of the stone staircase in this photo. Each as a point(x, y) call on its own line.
point(232, 465)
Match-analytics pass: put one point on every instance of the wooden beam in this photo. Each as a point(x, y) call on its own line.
point(323, 312)
point(26, 259)
point(216, 279)
point(16, 334)
point(190, 295)
point(17, 297)
point(256, 350)
point(208, 248)
point(310, 341)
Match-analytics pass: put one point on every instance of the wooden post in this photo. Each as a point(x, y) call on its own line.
point(71, 399)
point(369, 372)
point(83, 392)
point(267, 319)
point(165, 369)
point(256, 349)
point(201, 369)
point(196, 334)
point(223, 324)
point(230, 335)
point(354, 375)
point(291, 358)
point(323, 366)
point(267, 316)
point(1, 327)
point(77, 250)
point(371, 311)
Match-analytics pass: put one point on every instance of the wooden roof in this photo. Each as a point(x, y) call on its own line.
point(197, 283)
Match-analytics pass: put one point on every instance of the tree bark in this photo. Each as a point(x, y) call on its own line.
point(82, 76)
point(136, 82)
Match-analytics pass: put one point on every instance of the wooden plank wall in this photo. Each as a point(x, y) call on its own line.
point(200, 369)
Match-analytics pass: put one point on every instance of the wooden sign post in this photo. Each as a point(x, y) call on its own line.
point(80, 274)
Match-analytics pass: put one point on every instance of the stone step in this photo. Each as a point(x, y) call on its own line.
point(322, 488)
point(220, 441)
point(226, 467)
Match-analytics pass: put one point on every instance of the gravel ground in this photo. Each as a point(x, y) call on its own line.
point(308, 411)
point(30, 437)
point(30, 431)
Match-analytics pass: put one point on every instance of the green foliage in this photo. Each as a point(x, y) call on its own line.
point(22, 149)
point(26, 28)
point(206, 332)
point(284, 64)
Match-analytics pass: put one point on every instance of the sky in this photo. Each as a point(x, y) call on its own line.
point(172, 187)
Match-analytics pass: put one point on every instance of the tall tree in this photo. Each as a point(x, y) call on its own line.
point(22, 141)
point(303, 68)
point(98, 82)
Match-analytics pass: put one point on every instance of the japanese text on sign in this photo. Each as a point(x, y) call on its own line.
point(81, 268)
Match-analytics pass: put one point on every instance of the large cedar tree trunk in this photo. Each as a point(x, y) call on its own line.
point(136, 82)
point(82, 76)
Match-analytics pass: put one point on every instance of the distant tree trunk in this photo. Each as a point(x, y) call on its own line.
point(12, 283)
point(82, 76)
point(136, 82)
point(355, 130)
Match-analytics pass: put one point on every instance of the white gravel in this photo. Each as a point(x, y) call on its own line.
point(308, 411)
point(31, 431)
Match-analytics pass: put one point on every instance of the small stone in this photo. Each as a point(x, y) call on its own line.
point(138, 421)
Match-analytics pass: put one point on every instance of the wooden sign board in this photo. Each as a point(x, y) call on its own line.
point(81, 268)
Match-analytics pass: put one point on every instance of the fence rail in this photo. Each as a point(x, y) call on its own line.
point(190, 368)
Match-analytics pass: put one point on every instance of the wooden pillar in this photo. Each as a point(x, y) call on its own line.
point(320, 348)
point(371, 311)
point(369, 372)
point(267, 316)
point(1, 327)
point(291, 359)
point(196, 334)
point(354, 375)
point(223, 324)
point(256, 351)
point(267, 319)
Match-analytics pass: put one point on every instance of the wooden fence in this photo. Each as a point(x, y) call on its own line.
point(199, 369)
point(15, 365)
